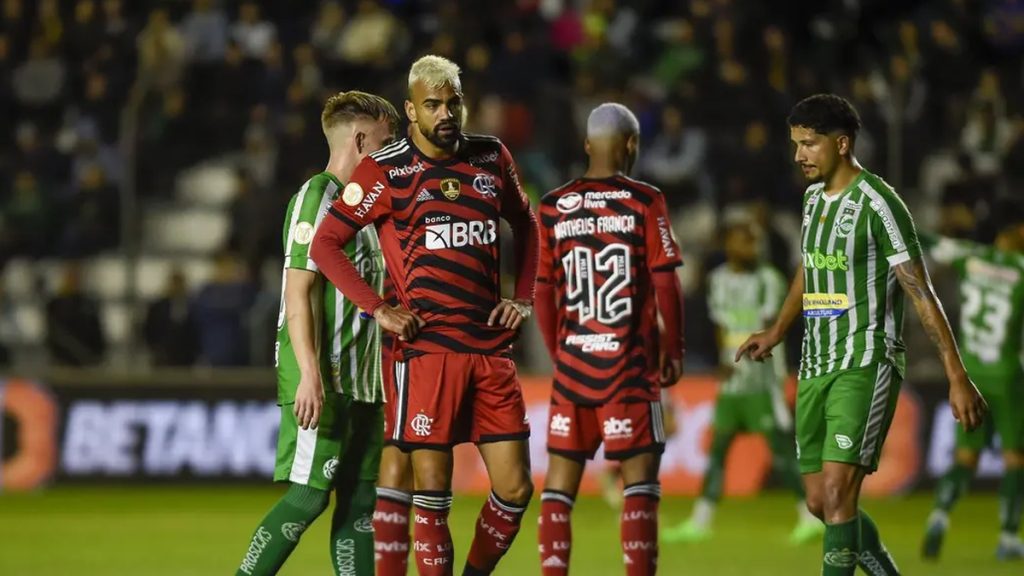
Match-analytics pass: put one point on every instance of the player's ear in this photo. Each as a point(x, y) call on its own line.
point(410, 111)
point(586, 146)
point(843, 144)
point(632, 144)
point(360, 141)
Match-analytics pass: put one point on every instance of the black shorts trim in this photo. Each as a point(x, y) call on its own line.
point(408, 447)
point(577, 455)
point(492, 438)
point(654, 448)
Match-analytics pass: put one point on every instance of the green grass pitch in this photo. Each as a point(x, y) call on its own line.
point(157, 531)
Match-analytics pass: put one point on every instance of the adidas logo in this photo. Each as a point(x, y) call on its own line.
point(553, 562)
point(424, 195)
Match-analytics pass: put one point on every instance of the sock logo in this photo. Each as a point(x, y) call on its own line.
point(553, 562)
point(844, 558)
point(363, 524)
point(345, 556)
point(260, 539)
point(330, 467)
point(843, 441)
point(293, 530)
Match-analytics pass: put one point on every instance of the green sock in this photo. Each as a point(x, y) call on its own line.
point(715, 475)
point(784, 461)
point(1011, 500)
point(841, 549)
point(352, 529)
point(279, 532)
point(874, 558)
point(952, 486)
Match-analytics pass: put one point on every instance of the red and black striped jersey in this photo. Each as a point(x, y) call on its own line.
point(438, 226)
point(601, 242)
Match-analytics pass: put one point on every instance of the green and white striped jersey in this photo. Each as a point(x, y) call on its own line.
point(348, 345)
point(991, 331)
point(853, 304)
point(742, 302)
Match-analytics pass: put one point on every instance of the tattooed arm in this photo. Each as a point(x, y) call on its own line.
point(968, 406)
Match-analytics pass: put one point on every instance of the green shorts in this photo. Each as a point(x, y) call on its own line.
point(1005, 397)
point(757, 412)
point(844, 416)
point(344, 447)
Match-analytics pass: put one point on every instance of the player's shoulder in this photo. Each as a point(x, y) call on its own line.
point(643, 191)
point(398, 153)
point(315, 187)
point(878, 191)
point(813, 191)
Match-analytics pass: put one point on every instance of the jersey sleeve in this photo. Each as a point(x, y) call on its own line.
point(893, 229)
point(305, 213)
point(546, 261)
point(662, 249)
point(366, 198)
point(716, 306)
point(515, 209)
point(515, 206)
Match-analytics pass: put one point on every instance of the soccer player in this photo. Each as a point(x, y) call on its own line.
point(328, 364)
point(743, 296)
point(607, 272)
point(435, 199)
point(859, 247)
point(992, 334)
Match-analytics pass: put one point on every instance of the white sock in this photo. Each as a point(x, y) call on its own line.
point(940, 517)
point(703, 513)
point(1009, 539)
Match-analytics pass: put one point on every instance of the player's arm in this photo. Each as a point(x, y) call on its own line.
point(298, 305)
point(895, 233)
point(544, 302)
point(759, 346)
point(515, 209)
point(354, 210)
point(663, 258)
point(967, 403)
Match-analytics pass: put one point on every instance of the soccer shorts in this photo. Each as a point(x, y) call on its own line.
point(844, 416)
point(345, 446)
point(447, 398)
point(1005, 398)
point(757, 412)
point(627, 429)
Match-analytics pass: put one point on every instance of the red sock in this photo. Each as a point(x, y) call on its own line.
point(555, 532)
point(640, 528)
point(496, 528)
point(391, 532)
point(432, 538)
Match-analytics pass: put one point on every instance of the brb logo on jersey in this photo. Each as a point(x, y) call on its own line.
point(614, 428)
point(459, 234)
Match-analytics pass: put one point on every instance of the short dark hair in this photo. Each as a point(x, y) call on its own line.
point(825, 113)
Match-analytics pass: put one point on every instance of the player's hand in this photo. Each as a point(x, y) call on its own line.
point(398, 321)
point(758, 346)
point(510, 313)
point(969, 406)
point(670, 370)
point(309, 401)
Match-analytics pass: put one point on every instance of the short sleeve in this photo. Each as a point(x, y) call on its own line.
point(893, 228)
point(366, 198)
point(662, 249)
point(305, 213)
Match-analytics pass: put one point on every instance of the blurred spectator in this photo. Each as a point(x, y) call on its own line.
point(252, 33)
point(161, 54)
point(8, 330)
point(371, 36)
point(100, 107)
point(39, 82)
point(326, 33)
point(676, 159)
point(205, 30)
point(26, 214)
point(681, 55)
point(220, 309)
point(169, 328)
point(48, 26)
point(307, 72)
point(14, 27)
point(986, 138)
point(86, 32)
point(94, 221)
point(74, 334)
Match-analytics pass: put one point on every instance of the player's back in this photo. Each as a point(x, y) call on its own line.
point(605, 238)
point(992, 311)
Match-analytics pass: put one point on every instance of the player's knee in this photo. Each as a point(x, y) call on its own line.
point(518, 492)
point(395, 470)
point(816, 506)
point(837, 499)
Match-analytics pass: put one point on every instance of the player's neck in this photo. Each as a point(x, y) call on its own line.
point(846, 172)
point(740, 266)
point(601, 170)
point(431, 150)
point(341, 167)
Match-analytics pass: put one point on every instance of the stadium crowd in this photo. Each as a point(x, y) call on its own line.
point(94, 92)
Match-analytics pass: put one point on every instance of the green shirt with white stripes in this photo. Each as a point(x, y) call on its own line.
point(853, 304)
point(742, 302)
point(347, 344)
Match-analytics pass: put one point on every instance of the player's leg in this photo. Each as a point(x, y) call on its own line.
point(352, 542)
point(432, 388)
point(500, 428)
point(1010, 424)
point(634, 434)
point(859, 407)
point(302, 458)
point(953, 485)
point(574, 435)
point(725, 424)
point(394, 489)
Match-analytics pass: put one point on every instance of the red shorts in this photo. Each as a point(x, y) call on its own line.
point(444, 399)
point(576, 431)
